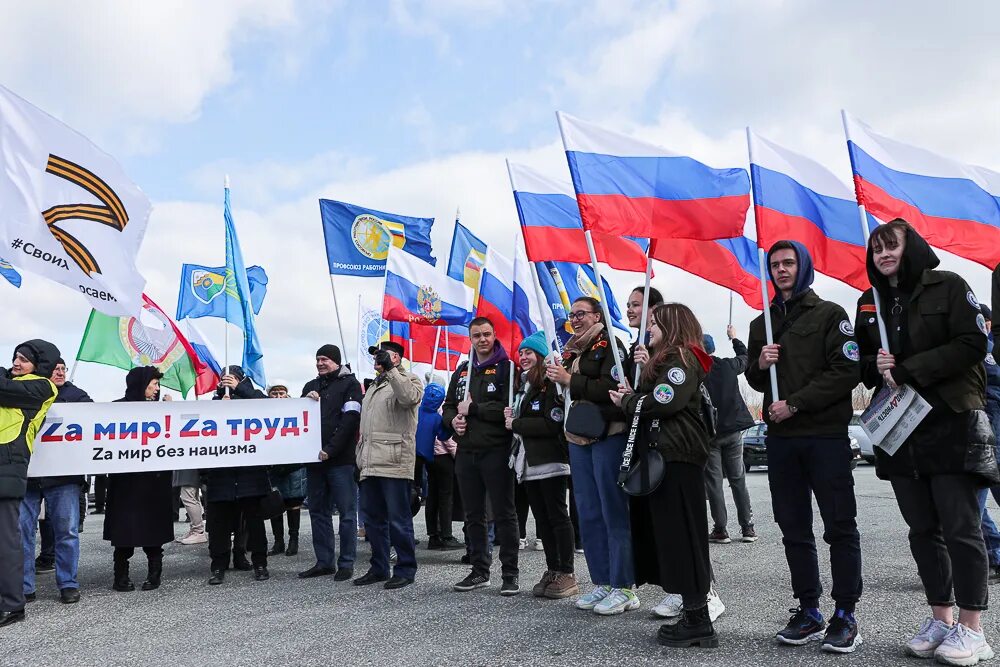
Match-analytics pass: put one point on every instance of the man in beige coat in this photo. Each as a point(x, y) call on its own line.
point(386, 456)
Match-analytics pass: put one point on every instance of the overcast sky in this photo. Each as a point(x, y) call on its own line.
point(412, 106)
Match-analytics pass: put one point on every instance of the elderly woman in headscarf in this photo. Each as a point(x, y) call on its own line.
point(139, 505)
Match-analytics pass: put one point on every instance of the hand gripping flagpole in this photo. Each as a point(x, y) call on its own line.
point(645, 308)
point(883, 337)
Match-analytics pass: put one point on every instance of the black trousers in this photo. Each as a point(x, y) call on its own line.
point(100, 492)
point(11, 556)
point(481, 474)
point(521, 505)
point(154, 554)
point(797, 469)
point(278, 525)
point(224, 519)
point(680, 532)
point(942, 512)
point(440, 496)
point(547, 498)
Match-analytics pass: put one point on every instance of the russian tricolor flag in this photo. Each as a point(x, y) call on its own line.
point(955, 207)
point(507, 296)
point(553, 230)
point(627, 187)
point(210, 371)
point(798, 199)
point(731, 263)
point(416, 293)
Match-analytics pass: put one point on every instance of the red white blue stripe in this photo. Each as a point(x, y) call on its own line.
point(731, 263)
point(627, 187)
point(798, 199)
point(416, 293)
point(954, 206)
point(553, 230)
point(507, 296)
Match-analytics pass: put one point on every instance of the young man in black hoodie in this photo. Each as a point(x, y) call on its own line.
point(808, 447)
point(331, 481)
point(474, 410)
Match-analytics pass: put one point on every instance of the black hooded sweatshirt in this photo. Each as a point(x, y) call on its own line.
point(938, 336)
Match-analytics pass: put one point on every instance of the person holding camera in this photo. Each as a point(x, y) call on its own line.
point(386, 455)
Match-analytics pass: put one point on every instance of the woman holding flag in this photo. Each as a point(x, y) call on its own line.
point(541, 463)
point(936, 345)
point(595, 429)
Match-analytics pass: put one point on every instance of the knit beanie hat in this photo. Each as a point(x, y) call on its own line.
point(709, 344)
point(331, 352)
point(538, 343)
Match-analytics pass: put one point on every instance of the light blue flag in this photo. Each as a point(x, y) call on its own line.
point(203, 294)
point(10, 273)
point(238, 293)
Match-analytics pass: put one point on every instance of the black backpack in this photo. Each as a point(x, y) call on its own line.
point(709, 413)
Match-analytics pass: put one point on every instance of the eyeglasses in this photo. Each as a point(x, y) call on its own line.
point(580, 314)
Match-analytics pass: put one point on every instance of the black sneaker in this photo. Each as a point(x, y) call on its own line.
point(994, 574)
point(749, 534)
point(509, 586)
point(44, 566)
point(472, 582)
point(842, 634)
point(802, 628)
point(719, 536)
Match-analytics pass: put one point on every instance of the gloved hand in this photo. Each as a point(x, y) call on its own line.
point(383, 360)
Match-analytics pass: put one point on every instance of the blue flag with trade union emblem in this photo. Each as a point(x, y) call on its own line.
point(358, 239)
point(203, 293)
point(563, 283)
point(10, 273)
point(468, 255)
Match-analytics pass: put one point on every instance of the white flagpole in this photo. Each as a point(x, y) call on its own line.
point(883, 336)
point(437, 344)
point(447, 353)
point(730, 307)
point(336, 310)
point(762, 259)
point(225, 325)
point(645, 309)
point(612, 340)
point(76, 360)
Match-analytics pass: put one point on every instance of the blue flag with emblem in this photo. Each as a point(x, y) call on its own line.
point(468, 255)
point(10, 273)
point(203, 293)
point(563, 283)
point(238, 289)
point(358, 239)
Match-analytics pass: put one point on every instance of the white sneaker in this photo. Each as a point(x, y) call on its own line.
point(194, 538)
point(538, 544)
point(932, 632)
point(590, 600)
point(669, 607)
point(522, 544)
point(963, 646)
point(715, 606)
point(618, 601)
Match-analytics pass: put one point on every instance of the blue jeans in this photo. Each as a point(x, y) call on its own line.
point(388, 522)
point(62, 506)
point(329, 486)
point(603, 509)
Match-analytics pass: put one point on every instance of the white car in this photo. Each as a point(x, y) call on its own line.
point(857, 432)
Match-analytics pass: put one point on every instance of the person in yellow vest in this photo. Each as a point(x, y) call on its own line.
point(26, 392)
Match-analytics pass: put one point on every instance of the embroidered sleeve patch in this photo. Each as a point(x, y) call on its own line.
point(663, 393)
point(851, 350)
point(846, 328)
point(676, 375)
point(972, 299)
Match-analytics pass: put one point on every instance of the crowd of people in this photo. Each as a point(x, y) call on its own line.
point(622, 462)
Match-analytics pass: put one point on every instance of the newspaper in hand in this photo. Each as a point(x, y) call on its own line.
point(893, 415)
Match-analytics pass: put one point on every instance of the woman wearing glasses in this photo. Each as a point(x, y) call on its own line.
point(595, 430)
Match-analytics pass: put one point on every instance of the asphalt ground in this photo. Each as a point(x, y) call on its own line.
point(289, 621)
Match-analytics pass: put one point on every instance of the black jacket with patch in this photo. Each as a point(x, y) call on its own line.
point(540, 425)
point(340, 399)
point(487, 386)
point(723, 384)
point(596, 375)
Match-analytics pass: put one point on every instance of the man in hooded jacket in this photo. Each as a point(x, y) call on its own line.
point(808, 447)
point(26, 392)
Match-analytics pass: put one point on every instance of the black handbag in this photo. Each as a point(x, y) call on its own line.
point(980, 452)
point(271, 505)
point(641, 476)
point(585, 424)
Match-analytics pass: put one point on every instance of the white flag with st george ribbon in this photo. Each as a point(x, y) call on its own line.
point(68, 212)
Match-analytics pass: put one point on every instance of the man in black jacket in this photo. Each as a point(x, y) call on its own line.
point(808, 448)
point(725, 459)
point(474, 410)
point(331, 481)
point(60, 528)
point(232, 498)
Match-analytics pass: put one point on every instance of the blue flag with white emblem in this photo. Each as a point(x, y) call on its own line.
point(238, 287)
point(10, 273)
point(203, 293)
point(358, 239)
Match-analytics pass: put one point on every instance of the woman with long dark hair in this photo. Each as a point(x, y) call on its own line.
point(668, 401)
point(541, 464)
point(937, 344)
point(140, 505)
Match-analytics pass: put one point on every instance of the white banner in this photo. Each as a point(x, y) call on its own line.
point(69, 211)
point(893, 415)
point(100, 438)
